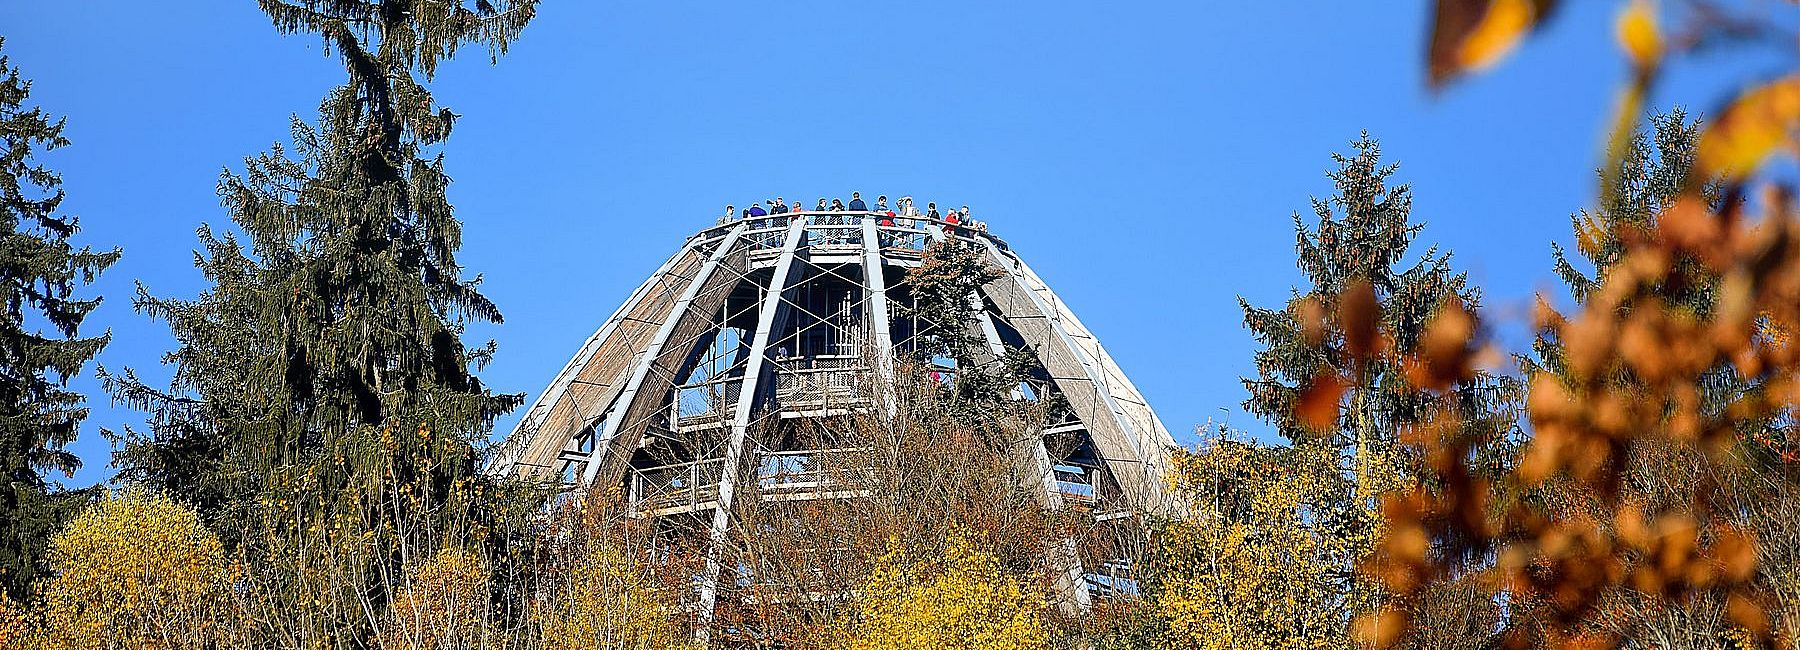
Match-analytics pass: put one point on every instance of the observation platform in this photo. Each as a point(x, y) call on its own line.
point(837, 236)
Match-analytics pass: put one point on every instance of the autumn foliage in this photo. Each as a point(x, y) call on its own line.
point(312, 479)
point(960, 598)
point(608, 584)
point(1261, 559)
point(1678, 355)
point(444, 606)
point(135, 570)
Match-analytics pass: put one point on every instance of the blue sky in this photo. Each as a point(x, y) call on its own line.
point(1144, 157)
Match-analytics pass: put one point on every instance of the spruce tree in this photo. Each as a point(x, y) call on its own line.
point(1363, 237)
point(1651, 173)
point(1754, 476)
point(39, 272)
point(1364, 233)
point(324, 412)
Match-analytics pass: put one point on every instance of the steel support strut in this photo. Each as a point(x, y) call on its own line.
point(641, 367)
point(748, 396)
point(1150, 461)
point(520, 438)
point(875, 288)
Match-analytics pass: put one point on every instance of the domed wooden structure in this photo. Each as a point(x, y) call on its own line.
point(758, 324)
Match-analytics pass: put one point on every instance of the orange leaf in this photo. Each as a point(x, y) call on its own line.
point(1750, 129)
point(1381, 629)
point(1318, 405)
point(1444, 352)
point(1359, 314)
point(1311, 315)
point(1472, 34)
point(1746, 613)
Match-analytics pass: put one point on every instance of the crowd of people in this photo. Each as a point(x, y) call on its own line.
point(903, 213)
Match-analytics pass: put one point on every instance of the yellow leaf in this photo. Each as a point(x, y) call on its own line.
point(1590, 236)
point(1500, 29)
point(1751, 128)
point(1638, 34)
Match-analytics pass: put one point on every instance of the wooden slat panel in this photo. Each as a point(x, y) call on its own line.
point(653, 396)
point(603, 375)
point(1113, 440)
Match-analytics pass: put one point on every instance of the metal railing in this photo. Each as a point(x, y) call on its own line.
point(903, 238)
point(1115, 578)
point(706, 403)
point(896, 232)
point(694, 484)
point(680, 485)
point(813, 380)
point(812, 469)
point(1076, 485)
point(834, 236)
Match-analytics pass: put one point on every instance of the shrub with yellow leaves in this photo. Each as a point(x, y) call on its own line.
point(959, 599)
point(16, 623)
point(135, 570)
point(606, 583)
point(1265, 555)
point(444, 606)
point(608, 602)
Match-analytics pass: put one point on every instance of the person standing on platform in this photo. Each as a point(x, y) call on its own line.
point(856, 203)
point(907, 212)
point(730, 213)
point(931, 211)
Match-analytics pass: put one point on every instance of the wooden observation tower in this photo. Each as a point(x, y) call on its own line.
point(755, 326)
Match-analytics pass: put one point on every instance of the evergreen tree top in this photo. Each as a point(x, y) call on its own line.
point(1363, 232)
point(1650, 176)
point(339, 315)
point(405, 33)
point(39, 272)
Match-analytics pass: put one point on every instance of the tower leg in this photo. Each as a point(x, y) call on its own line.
point(875, 288)
point(748, 397)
